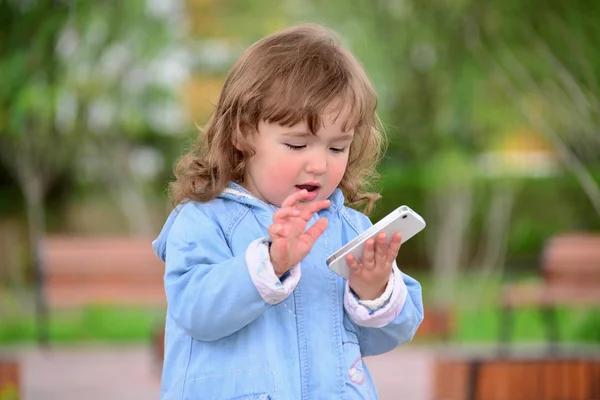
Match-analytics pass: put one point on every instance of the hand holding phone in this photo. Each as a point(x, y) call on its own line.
point(402, 220)
point(370, 276)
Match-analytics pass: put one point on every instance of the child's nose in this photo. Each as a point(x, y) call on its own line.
point(316, 165)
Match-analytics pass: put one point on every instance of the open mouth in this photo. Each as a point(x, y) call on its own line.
point(309, 188)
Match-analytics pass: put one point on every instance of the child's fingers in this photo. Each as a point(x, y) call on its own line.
point(368, 260)
point(355, 267)
point(394, 247)
point(313, 233)
point(278, 230)
point(292, 199)
point(284, 213)
point(381, 250)
point(312, 208)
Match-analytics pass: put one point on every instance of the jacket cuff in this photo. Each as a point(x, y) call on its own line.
point(269, 286)
point(363, 316)
point(381, 301)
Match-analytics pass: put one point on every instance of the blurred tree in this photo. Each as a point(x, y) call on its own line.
point(82, 83)
point(453, 78)
point(32, 147)
point(125, 63)
point(547, 67)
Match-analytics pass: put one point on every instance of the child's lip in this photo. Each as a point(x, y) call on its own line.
point(315, 184)
point(312, 190)
point(311, 194)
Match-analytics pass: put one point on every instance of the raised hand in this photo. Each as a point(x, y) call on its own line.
point(290, 242)
point(369, 277)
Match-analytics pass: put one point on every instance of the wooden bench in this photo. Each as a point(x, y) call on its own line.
point(81, 271)
point(10, 379)
point(518, 377)
point(114, 271)
point(570, 267)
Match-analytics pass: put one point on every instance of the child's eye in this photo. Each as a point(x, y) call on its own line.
point(333, 149)
point(295, 147)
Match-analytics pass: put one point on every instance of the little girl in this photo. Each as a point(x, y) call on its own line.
point(253, 310)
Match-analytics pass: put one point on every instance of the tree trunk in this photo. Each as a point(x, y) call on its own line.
point(453, 211)
point(496, 229)
point(124, 189)
point(134, 208)
point(492, 258)
point(11, 239)
point(32, 187)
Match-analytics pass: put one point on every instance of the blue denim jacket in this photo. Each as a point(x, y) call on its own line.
point(224, 341)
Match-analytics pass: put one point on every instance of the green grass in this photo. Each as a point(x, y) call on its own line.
point(477, 314)
point(574, 325)
point(115, 324)
point(476, 320)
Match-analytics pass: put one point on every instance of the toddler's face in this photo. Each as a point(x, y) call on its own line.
point(289, 159)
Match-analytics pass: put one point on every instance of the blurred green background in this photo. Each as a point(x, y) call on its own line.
point(492, 111)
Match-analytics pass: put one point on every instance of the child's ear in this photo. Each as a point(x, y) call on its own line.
point(235, 141)
point(242, 135)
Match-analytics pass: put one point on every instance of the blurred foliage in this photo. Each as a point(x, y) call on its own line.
point(442, 67)
point(89, 97)
point(106, 94)
point(98, 98)
point(543, 207)
point(75, 70)
point(473, 323)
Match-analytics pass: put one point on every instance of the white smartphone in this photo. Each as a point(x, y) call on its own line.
point(402, 219)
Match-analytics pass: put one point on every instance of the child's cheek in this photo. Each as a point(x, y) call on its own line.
point(282, 175)
point(336, 171)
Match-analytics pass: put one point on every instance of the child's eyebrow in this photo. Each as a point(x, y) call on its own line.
point(302, 134)
point(297, 134)
point(346, 136)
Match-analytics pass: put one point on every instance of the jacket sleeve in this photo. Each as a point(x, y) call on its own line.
point(374, 341)
point(379, 312)
point(210, 292)
point(382, 338)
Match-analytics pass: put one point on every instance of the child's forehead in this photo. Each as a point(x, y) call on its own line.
point(330, 126)
point(337, 116)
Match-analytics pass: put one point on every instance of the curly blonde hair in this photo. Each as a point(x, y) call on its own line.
point(288, 77)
